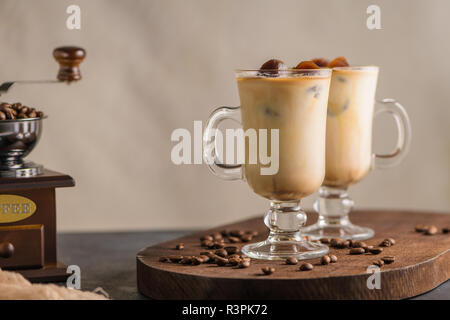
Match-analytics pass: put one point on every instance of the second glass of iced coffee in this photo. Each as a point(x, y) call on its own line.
point(349, 154)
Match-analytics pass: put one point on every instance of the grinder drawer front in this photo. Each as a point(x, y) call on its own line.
point(22, 246)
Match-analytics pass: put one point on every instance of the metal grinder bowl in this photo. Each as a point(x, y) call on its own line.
point(18, 138)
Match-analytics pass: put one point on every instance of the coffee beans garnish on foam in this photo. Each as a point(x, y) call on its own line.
point(338, 62)
point(307, 65)
point(271, 68)
point(18, 111)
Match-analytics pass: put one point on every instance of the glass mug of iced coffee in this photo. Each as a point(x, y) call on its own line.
point(349, 154)
point(293, 104)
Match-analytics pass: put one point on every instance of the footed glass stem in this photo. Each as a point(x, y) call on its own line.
point(333, 207)
point(284, 219)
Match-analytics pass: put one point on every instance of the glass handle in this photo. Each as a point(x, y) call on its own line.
point(401, 118)
point(213, 144)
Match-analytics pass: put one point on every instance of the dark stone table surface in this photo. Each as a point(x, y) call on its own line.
point(108, 260)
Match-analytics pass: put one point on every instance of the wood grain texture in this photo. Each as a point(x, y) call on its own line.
point(422, 263)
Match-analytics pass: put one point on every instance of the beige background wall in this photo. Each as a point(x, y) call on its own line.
point(154, 66)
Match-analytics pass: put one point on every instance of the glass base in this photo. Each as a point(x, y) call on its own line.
point(348, 231)
point(281, 250)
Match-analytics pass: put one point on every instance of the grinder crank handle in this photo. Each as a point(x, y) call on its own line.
point(68, 58)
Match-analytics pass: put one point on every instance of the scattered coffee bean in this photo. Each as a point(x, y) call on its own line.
point(378, 263)
point(179, 246)
point(196, 261)
point(207, 238)
point(367, 248)
point(446, 230)
point(333, 258)
point(359, 244)
point(325, 260)
point(387, 242)
point(237, 233)
point(357, 250)
point(175, 259)
point(204, 258)
point(421, 228)
point(268, 270)
point(164, 259)
point(217, 245)
point(221, 261)
point(306, 267)
point(244, 263)
point(291, 260)
point(335, 241)
point(224, 233)
point(207, 243)
point(375, 250)
point(221, 253)
point(325, 240)
point(246, 238)
point(231, 249)
point(431, 230)
point(217, 236)
point(388, 259)
point(186, 260)
point(234, 239)
point(234, 261)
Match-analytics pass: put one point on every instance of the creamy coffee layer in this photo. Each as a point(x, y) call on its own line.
point(297, 107)
point(349, 125)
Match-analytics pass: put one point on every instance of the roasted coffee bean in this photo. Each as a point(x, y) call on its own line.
point(421, 228)
point(387, 242)
point(17, 106)
point(367, 248)
point(357, 250)
point(388, 259)
point(234, 261)
point(179, 246)
point(206, 253)
point(321, 62)
point(217, 245)
point(224, 233)
point(204, 258)
point(207, 243)
point(343, 244)
point(359, 244)
point(175, 259)
point(244, 263)
point(268, 270)
point(325, 260)
point(234, 255)
point(236, 233)
point(307, 65)
point(335, 242)
point(217, 236)
point(375, 250)
point(164, 259)
point(333, 258)
point(32, 114)
point(431, 230)
point(206, 238)
point(306, 267)
point(338, 62)
point(22, 116)
point(246, 238)
point(231, 249)
point(186, 260)
point(196, 261)
point(221, 261)
point(446, 230)
point(379, 263)
point(325, 240)
point(2, 115)
point(234, 239)
point(291, 260)
point(221, 253)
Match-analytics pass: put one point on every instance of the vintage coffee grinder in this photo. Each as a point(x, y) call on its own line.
point(27, 189)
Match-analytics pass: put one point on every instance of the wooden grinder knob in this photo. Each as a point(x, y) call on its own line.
point(69, 59)
point(6, 250)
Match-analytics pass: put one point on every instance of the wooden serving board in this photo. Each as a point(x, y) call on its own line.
point(422, 263)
